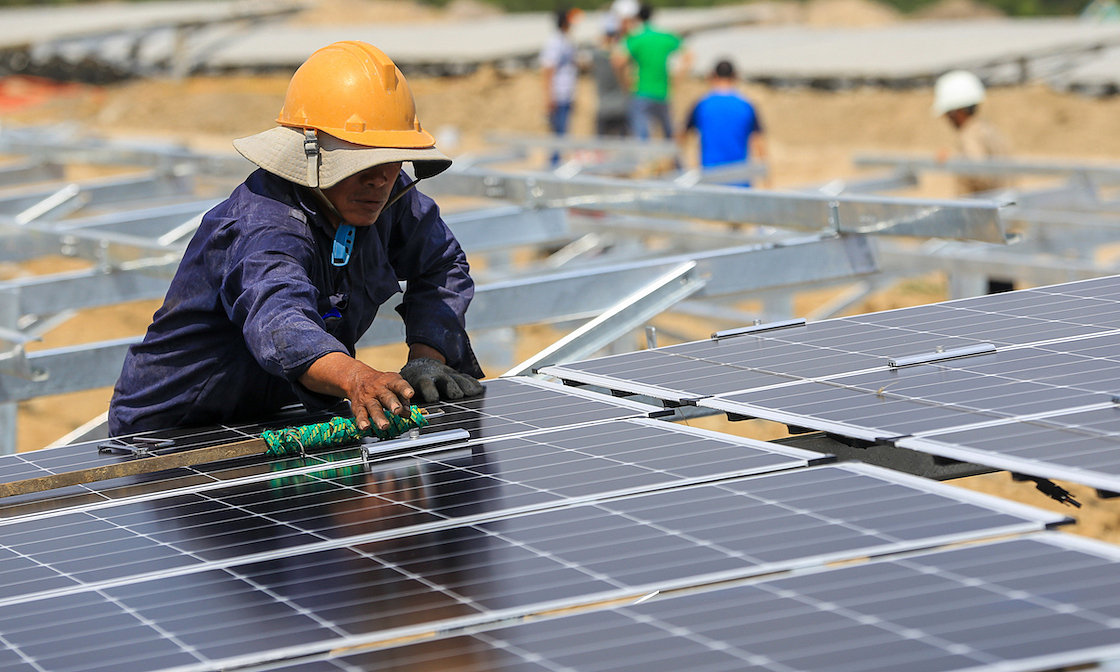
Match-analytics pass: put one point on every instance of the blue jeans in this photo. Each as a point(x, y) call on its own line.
point(558, 122)
point(642, 110)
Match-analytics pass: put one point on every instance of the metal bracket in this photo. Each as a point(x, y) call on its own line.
point(758, 327)
point(373, 447)
point(942, 355)
point(14, 363)
point(140, 447)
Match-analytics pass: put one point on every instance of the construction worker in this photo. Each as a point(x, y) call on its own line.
point(729, 126)
point(957, 96)
point(560, 72)
point(612, 115)
point(647, 56)
point(283, 277)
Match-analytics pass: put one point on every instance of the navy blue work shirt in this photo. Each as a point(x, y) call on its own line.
point(256, 301)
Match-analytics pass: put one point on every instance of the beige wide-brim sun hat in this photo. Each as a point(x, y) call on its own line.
point(280, 151)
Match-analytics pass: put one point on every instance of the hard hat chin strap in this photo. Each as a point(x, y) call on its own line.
point(397, 196)
point(311, 151)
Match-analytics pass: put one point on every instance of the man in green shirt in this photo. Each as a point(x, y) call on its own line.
point(649, 51)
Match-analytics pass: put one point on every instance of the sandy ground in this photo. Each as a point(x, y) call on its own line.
point(812, 137)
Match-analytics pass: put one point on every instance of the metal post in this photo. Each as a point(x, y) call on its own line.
point(964, 284)
point(9, 318)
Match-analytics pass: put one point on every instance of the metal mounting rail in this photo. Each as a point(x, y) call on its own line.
point(882, 215)
point(549, 297)
point(991, 167)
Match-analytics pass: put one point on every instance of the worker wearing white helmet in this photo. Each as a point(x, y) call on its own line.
point(957, 96)
point(283, 277)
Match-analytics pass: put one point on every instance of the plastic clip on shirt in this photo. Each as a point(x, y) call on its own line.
point(343, 245)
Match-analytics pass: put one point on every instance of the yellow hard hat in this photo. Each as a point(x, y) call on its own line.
point(355, 92)
point(348, 107)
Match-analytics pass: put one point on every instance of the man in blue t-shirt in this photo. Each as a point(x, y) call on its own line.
point(729, 126)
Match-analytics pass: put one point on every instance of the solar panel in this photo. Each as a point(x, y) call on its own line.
point(508, 407)
point(1046, 602)
point(1079, 446)
point(232, 578)
point(1052, 356)
point(852, 344)
point(479, 479)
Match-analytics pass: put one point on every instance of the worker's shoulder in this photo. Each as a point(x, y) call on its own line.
point(652, 36)
point(251, 211)
point(723, 102)
point(262, 199)
point(660, 36)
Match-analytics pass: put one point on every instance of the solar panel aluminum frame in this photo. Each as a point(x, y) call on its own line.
point(1034, 520)
point(747, 411)
point(928, 442)
point(671, 396)
point(585, 394)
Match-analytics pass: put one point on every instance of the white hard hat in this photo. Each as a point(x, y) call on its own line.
point(955, 90)
point(625, 9)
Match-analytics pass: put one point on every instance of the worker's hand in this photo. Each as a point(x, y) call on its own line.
point(372, 393)
point(434, 381)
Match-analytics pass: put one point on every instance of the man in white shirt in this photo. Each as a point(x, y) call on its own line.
point(560, 71)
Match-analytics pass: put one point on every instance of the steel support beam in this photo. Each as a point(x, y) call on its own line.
point(508, 227)
point(560, 296)
point(57, 200)
point(620, 319)
point(632, 148)
point(71, 369)
point(585, 293)
point(729, 174)
point(30, 171)
point(992, 167)
point(900, 179)
point(882, 215)
point(9, 410)
point(48, 294)
point(61, 147)
point(968, 261)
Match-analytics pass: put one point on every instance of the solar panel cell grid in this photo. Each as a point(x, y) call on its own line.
point(1079, 446)
point(370, 583)
point(1014, 605)
point(184, 528)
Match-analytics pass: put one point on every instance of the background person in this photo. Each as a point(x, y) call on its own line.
point(612, 118)
point(645, 67)
point(283, 277)
point(729, 126)
point(957, 96)
point(560, 73)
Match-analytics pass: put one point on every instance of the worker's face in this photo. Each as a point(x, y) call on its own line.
point(957, 117)
point(361, 197)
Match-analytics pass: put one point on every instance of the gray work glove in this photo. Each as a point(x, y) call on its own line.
point(433, 381)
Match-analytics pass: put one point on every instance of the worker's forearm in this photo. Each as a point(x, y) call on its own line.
point(759, 148)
